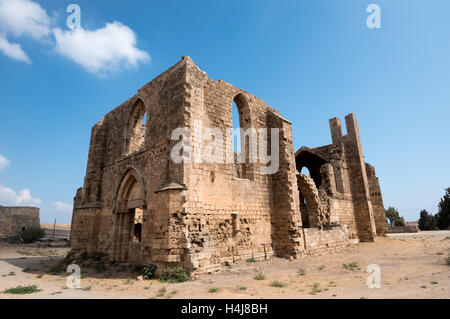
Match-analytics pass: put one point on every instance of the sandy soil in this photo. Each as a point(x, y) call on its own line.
point(412, 266)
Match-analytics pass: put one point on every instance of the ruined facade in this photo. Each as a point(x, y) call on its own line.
point(341, 188)
point(16, 219)
point(139, 205)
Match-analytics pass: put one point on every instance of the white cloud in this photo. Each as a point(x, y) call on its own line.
point(9, 197)
point(24, 17)
point(62, 207)
point(4, 162)
point(103, 50)
point(21, 18)
point(99, 51)
point(14, 51)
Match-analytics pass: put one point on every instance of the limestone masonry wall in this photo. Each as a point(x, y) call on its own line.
point(139, 205)
point(14, 219)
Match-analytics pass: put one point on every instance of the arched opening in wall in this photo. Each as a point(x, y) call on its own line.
point(307, 161)
point(136, 128)
point(236, 129)
point(243, 140)
point(305, 171)
point(137, 229)
point(129, 219)
point(310, 206)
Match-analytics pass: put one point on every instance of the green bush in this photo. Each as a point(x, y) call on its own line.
point(259, 277)
point(448, 260)
point(147, 272)
point(174, 274)
point(351, 266)
point(31, 235)
point(276, 283)
point(22, 290)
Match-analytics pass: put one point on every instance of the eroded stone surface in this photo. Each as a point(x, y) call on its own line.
point(15, 219)
point(205, 215)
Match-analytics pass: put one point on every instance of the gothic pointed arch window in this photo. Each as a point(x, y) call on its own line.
point(136, 128)
point(244, 138)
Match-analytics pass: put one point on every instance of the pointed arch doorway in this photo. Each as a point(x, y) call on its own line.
point(129, 219)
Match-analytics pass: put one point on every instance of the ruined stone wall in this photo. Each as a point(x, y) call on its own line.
point(318, 242)
point(403, 229)
point(376, 198)
point(348, 187)
point(14, 219)
point(202, 213)
point(108, 163)
point(230, 206)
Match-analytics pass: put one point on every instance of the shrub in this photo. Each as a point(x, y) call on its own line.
point(447, 260)
point(302, 272)
point(259, 277)
point(174, 274)
point(315, 288)
point(351, 266)
point(213, 290)
point(31, 235)
point(161, 292)
point(278, 284)
point(22, 290)
point(146, 272)
point(251, 260)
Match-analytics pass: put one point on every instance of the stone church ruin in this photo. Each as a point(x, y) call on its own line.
point(139, 206)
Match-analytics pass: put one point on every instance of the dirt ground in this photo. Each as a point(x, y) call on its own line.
point(412, 266)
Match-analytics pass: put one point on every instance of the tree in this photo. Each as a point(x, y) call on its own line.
point(394, 217)
point(30, 235)
point(443, 215)
point(426, 221)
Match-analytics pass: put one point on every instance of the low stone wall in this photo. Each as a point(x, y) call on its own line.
point(402, 229)
point(14, 219)
point(319, 242)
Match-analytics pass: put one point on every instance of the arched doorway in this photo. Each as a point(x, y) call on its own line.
point(129, 219)
point(313, 162)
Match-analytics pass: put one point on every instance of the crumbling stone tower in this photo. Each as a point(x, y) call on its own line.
point(139, 205)
point(347, 187)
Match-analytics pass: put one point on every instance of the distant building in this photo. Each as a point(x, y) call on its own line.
point(15, 219)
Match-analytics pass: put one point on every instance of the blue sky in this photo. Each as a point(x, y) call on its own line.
point(312, 60)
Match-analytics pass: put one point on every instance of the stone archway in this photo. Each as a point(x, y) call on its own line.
point(129, 218)
point(310, 206)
